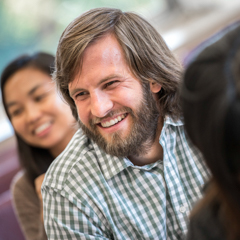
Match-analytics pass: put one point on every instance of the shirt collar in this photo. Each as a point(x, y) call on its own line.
point(169, 121)
point(110, 165)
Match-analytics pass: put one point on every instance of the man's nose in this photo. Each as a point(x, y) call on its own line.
point(101, 104)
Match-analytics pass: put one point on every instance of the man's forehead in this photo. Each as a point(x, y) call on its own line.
point(103, 55)
point(107, 47)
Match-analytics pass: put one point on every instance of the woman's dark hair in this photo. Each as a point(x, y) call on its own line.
point(210, 98)
point(33, 160)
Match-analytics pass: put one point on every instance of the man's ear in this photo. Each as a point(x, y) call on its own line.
point(155, 87)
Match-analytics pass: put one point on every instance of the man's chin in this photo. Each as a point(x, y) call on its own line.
point(115, 138)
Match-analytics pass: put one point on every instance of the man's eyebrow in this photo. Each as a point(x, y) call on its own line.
point(71, 93)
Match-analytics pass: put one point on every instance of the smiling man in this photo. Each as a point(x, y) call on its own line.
point(129, 172)
point(113, 107)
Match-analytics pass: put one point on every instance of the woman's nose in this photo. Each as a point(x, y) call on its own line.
point(101, 104)
point(33, 113)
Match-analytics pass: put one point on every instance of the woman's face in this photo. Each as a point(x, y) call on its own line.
point(38, 115)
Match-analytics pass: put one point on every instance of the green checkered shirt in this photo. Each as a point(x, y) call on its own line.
point(88, 194)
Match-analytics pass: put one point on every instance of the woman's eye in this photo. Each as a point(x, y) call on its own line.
point(40, 97)
point(16, 112)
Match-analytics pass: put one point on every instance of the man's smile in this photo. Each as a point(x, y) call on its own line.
point(112, 121)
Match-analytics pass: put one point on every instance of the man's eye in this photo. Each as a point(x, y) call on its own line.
point(110, 83)
point(80, 95)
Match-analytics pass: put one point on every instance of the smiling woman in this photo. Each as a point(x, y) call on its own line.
point(43, 126)
point(35, 109)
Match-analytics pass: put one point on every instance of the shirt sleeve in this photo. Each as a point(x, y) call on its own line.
point(27, 208)
point(68, 218)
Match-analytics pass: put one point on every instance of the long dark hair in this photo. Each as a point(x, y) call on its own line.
point(33, 160)
point(211, 108)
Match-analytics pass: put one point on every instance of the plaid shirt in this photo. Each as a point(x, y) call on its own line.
point(89, 194)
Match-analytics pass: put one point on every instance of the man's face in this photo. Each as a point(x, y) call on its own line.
point(114, 109)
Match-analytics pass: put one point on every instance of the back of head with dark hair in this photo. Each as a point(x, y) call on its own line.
point(34, 160)
point(211, 108)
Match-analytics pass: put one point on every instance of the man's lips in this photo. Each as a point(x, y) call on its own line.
point(113, 121)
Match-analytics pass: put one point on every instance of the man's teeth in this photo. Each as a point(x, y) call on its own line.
point(113, 121)
point(42, 127)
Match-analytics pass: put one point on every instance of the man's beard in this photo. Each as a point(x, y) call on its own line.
point(141, 136)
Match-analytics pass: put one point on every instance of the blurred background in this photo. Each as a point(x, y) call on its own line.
point(36, 25)
point(27, 26)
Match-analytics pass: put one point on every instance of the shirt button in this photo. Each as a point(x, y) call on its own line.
point(182, 209)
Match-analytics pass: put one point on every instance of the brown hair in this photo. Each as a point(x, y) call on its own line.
point(145, 52)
